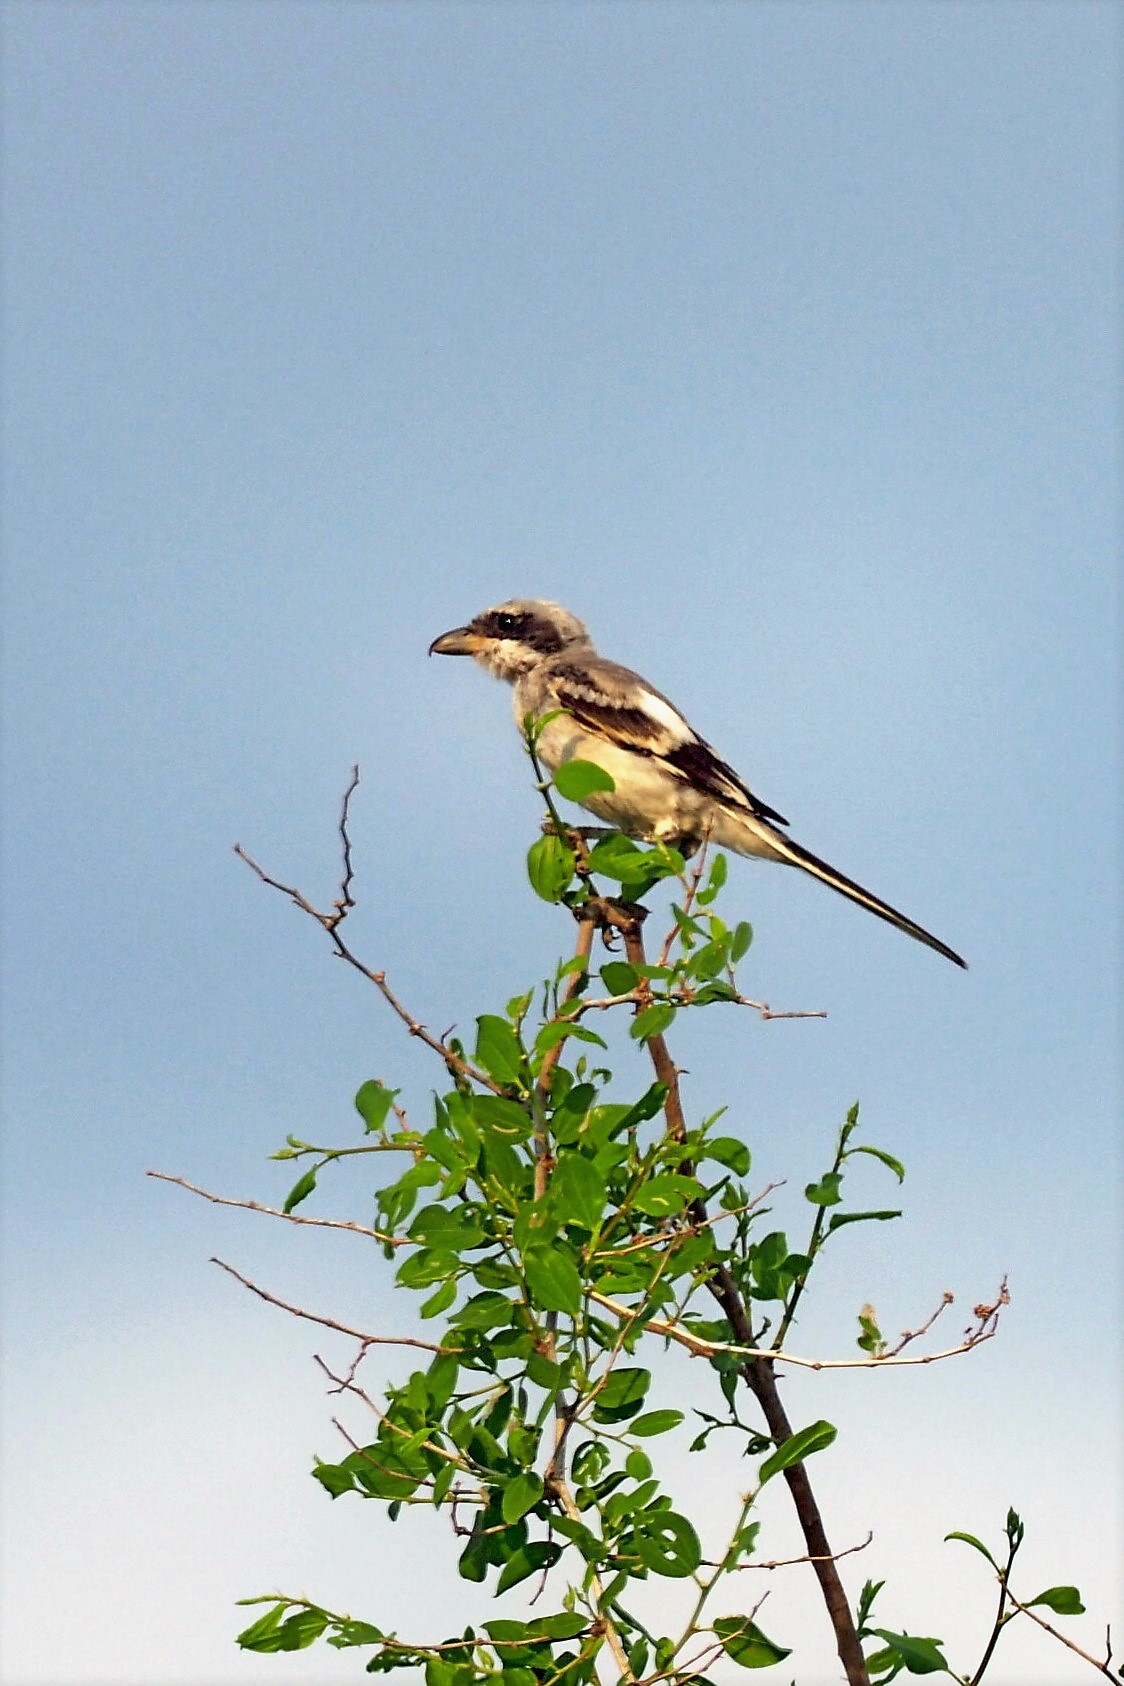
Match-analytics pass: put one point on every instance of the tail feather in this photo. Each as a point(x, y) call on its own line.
point(795, 855)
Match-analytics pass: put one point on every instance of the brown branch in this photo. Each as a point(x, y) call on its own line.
point(331, 922)
point(601, 1004)
point(568, 1505)
point(276, 1212)
point(700, 1348)
point(692, 890)
point(330, 1322)
point(908, 1335)
point(759, 1376)
point(786, 1562)
point(1101, 1668)
point(345, 902)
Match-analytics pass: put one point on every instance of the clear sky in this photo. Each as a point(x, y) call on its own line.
point(779, 341)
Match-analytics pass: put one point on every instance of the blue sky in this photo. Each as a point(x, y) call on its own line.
point(778, 341)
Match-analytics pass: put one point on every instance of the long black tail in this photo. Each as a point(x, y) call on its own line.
point(795, 855)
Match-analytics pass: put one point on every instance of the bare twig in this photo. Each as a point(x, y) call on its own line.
point(691, 892)
point(345, 902)
point(1104, 1668)
point(276, 1212)
point(331, 922)
point(908, 1335)
point(786, 1562)
point(330, 1322)
point(638, 996)
point(701, 1348)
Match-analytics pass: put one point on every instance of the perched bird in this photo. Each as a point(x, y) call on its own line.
point(671, 787)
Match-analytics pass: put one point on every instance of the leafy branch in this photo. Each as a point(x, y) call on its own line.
point(556, 1236)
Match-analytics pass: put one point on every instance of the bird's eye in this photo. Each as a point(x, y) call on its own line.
point(506, 623)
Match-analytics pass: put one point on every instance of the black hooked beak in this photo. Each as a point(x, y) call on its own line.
point(462, 641)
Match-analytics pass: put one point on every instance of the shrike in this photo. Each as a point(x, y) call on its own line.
point(671, 787)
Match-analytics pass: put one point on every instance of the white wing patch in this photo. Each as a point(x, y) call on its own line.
point(659, 709)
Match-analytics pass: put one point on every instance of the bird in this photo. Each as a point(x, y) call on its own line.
point(670, 786)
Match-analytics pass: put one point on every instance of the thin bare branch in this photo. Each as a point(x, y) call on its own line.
point(908, 1335)
point(329, 1322)
point(691, 891)
point(706, 1349)
point(276, 1212)
point(602, 1004)
point(786, 1562)
point(1104, 1668)
point(331, 922)
point(345, 902)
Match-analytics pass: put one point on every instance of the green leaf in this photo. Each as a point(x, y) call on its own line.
point(970, 1539)
point(870, 1337)
point(744, 1643)
point(728, 1151)
point(920, 1656)
point(334, 1478)
point(646, 1107)
point(550, 867)
point(622, 1395)
point(638, 1465)
point(708, 961)
point(489, 1310)
point(613, 852)
point(472, 1564)
point(440, 1301)
point(879, 1153)
point(552, 1277)
point(527, 1560)
point(297, 1631)
point(300, 1190)
point(796, 1448)
point(869, 1593)
point(655, 1422)
point(440, 1380)
point(740, 942)
point(1063, 1600)
point(373, 1102)
point(618, 977)
point(577, 1191)
point(652, 1021)
point(575, 780)
point(498, 1049)
point(452, 1228)
point(260, 1635)
point(497, 1112)
point(521, 1495)
point(566, 1624)
point(826, 1191)
point(355, 1633)
point(838, 1219)
point(665, 1543)
point(666, 1194)
point(558, 1030)
point(425, 1267)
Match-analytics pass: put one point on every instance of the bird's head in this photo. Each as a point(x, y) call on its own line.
point(514, 637)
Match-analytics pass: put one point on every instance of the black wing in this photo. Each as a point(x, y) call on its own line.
point(605, 701)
